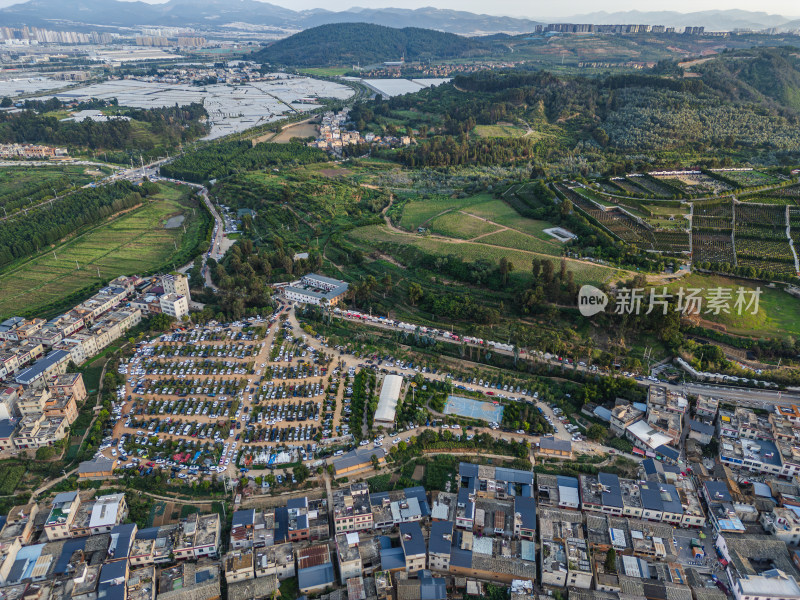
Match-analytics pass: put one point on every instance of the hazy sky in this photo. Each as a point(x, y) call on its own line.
point(534, 9)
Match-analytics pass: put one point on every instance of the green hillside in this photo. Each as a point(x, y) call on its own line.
point(353, 43)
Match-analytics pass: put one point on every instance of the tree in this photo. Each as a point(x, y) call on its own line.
point(611, 561)
point(596, 432)
point(161, 322)
point(301, 473)
point(506, 267)
point(375, 463)
point(414, 293)
point(6, 102)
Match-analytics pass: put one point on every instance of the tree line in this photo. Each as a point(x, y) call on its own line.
point(46, 225)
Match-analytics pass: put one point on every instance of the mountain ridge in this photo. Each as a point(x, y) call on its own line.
point(202, 13)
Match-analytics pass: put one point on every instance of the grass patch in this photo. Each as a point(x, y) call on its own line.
point(419, 212)
point(502, 131)
point(510, 238)
point(188, 509)
point(290, 588)
point(778, 313)
point(459, 225)
point(135, 242)
point(471, 252)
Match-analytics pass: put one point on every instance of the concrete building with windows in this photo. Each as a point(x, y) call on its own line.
point(174, 305)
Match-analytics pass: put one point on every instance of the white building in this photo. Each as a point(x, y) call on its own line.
point(387, 403)
point(176, 283)
point(316, 289)
point(174, 305)
point(107, 512)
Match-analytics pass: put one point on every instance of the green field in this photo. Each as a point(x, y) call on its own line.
point(778, 314)
point(326, 71)
point(135, 242)
point(418, 212)
point(510, 238)
point(506, 130)
point(472, 251)
point(459, 225)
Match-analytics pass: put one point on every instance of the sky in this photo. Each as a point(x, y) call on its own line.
point(534, 9)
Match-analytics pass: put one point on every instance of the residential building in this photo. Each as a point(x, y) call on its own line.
point(550, 446)
point(174, 305)
point(351, 508)
point(348, 555)
point(238, 565)
point(176, 283)
point(107, 511)
point(398, 506)
point(783, 523)
point(62, 515)
point(623, 416)
point(277, 561)
point(413, 544)
point(198, 537)
point(701, 432)
point(315, 571)
point(440, 545)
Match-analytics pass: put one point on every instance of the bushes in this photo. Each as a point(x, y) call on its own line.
point(10, 476)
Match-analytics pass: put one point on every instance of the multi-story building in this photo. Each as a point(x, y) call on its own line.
point(783, 523)
point(107, 512)
point(174, 305)
point(351, 508)
point(413, 543)
point(623, 416)
point(440, 545)
point(275, 561)
point(349, 555)
point(238, 565)
point(198, 537)
point(62, 515)
point(176, 283)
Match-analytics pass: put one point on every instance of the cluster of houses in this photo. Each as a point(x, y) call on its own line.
point(31, 151)
point(38, 398)
point(668, 428)
point(237, 71)
point(80, 547)
point(333, 136)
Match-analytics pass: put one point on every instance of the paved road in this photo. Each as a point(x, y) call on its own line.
point(752, 396)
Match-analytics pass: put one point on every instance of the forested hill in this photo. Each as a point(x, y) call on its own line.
point(742, 106)
point(364, 43)
point(769, 76)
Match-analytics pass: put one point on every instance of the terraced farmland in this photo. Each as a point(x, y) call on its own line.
point(135, 242)
point(712, 233)
point(760, 238)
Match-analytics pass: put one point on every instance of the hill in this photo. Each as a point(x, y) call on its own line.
point(214, 13)
point(365, 43)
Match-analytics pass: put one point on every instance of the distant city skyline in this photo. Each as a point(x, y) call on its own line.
point(528, 10)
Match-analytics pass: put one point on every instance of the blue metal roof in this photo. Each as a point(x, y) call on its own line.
point(242, 518)
point(461, 558)
point(566, 481)
point(121, 540)
point(612, 494)
point(668, 452)
point(651, 497)
point(431, 588)
point(601, 412)
point(649, 466)
point(70, 546)
point(526, 507)
point(413, 541)
point(671, 499)
point(7, 428)
point(36, 370)
point(297, 503)
point(392, 558)
point(418, 492)
point(717, 491)
point(281, 524)
point(513, 475)
point(701, 427)
point(438, 543)
point(316, 576)
point(150, 533)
